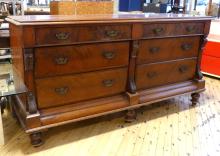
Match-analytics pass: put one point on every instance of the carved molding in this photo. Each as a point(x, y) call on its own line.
point(135, 49)
point(131, 82)
point(32, 106)
point(28, 59)
point(203, 42)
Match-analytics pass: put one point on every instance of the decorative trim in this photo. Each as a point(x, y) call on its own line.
point(32, 106)
point(28, 59)
point(131, 78)
point(203, 42)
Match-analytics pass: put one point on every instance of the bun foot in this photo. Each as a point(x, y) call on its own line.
point(36, 139)
point(131, 116)
point(195, 98)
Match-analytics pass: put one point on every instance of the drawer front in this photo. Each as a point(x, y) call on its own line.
point(67, 89)
point(171, 29)
point(74, 34)
point(80, 58)
point(167, 49)
point(153, 75)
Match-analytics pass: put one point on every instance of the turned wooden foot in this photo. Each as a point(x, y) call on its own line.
point(131, 115)
point(36, 139)
point(195, 98)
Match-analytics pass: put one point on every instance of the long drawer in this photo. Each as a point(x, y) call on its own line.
point(52, 61)
point(74, 34)
point(156, 74)
point(167, 49)
point(62, 90)
point(151, 30)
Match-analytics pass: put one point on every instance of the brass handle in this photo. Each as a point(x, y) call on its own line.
point(183, 69)
point(61, 90)
point(61, 60)
point(108, 55)
point(108, 83)
point(154, 50)
point(158, 30)
point(190, 29)
point(151, 75)
point(186, 47)
point(62, 36)
point(112, 33)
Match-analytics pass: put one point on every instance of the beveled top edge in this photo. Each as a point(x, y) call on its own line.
point(111, 17)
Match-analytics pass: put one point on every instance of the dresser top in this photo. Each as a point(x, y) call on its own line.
point(75, 19)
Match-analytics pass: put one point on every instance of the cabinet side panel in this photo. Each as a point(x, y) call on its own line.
point(16, 43)
point(16, 46)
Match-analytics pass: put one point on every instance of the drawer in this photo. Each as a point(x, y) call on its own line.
point(80, 58)
point(74, 34)
point(167, 49)
point(56, 91)
point(171, 29)
point(152, 75)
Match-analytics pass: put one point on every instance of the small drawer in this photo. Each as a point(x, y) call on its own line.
point(75, 34)
point(153, 75)
point(62, 90)
point(80, 58)
point(156, 50)
point(171, 29)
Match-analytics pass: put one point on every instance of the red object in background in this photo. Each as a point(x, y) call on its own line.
point(211, 55)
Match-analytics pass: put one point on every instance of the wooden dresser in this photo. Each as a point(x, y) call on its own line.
point(80, 67)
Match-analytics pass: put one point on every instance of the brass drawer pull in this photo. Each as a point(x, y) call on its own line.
point(154, 50)
point(186, 47)
point(108, 83)
point(62, 36)
point(190, 29)
point(108, 55)
point(158, 30)
point(151, 75)
point(183, 69)
point(112, 33)
point(61, 60)
point(61, 90)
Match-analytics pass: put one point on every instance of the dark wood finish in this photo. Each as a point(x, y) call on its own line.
point(68, 34)
point(80, 58)
point(171, 29)
point(131, 69)
point(36, 139)
point(157, 50)
point(131, 115)
point(73, 88)
point(156, 74)
point(82, 110)
point(81, 67)
point(133, 98)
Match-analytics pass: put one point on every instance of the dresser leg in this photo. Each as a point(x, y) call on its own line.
point(36, 139)
point(131, 115)
point(195, 98)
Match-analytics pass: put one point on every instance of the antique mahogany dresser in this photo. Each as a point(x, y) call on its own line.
point(80, 67)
